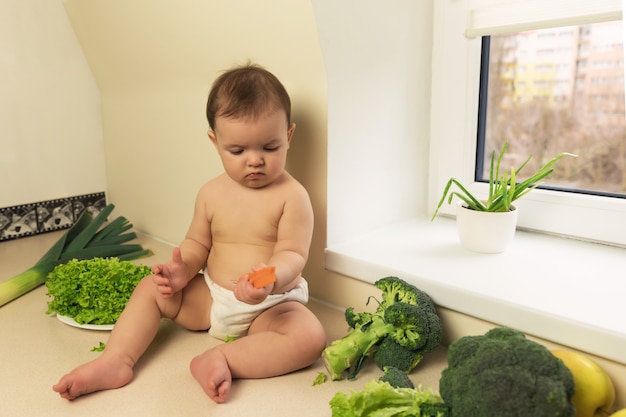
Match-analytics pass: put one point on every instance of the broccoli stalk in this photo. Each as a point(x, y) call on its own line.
point(403, 328)
point(351, 351)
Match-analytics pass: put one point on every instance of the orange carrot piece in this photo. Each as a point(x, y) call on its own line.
point(263, 277)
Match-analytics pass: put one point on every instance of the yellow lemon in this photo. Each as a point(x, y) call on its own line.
point(595, 392)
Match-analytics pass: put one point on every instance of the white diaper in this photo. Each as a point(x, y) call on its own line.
point(232, 318)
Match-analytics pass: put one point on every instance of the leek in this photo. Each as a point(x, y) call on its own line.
point(86, 239)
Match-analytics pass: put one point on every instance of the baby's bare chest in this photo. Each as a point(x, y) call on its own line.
point(241, 221)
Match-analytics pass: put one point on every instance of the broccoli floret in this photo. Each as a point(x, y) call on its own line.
point(410, 324)
point(406, 316)
point(424, 320)
point(396, 378)
point(356, 320)
point(504, 374)
point(391, 353)
point(434, 409)
point(395, 289)
point(435, 331)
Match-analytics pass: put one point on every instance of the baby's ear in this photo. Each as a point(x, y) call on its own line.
point(212, 137)
point(292, 128)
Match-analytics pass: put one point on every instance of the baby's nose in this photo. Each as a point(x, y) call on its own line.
point(255, 159)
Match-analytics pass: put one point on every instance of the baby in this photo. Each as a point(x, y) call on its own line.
point(252, 216)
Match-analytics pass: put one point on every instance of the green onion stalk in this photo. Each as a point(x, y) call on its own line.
point(86, 239)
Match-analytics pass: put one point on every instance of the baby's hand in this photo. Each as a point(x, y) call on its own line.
point(253, 290)
point(262, 276)
point(172, 276)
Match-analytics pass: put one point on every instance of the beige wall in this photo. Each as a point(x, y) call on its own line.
point(154, 63)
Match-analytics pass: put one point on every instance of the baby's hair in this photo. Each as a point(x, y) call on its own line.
point(247, 91)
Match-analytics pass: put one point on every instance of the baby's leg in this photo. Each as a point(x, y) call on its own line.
point(129, 339)
point(283, 339)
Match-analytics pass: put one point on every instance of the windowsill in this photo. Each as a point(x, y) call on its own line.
point(559, 289)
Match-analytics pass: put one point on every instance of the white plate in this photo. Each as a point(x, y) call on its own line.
point(70, 321)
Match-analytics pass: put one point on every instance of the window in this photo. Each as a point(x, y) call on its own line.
point(600, 218)
point(555, 117)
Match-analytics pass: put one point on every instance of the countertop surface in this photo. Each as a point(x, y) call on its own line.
point(37, 349)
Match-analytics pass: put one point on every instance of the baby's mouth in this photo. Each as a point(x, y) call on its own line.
point(255, 175)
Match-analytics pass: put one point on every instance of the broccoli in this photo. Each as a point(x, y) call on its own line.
point(504, 374)
point(355, 320)
point(379, 398)
point(404, 326)
point(391, 352)
point(395, 289)
point(396, 378)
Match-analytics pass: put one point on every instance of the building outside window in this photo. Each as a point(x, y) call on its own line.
point(557, 90)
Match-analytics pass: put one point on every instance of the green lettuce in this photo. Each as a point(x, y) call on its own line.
point(93, 291)
point(380, 399)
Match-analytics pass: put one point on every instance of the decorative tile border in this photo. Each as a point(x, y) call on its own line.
point(47, 216)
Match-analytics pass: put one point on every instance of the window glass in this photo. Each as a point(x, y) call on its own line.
point(556, 90)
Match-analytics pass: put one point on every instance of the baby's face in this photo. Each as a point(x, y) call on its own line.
point(253, 151)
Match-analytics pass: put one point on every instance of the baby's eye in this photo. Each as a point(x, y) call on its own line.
point(235, 151)
point(271, 148)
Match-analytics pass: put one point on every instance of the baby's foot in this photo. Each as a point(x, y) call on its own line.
point(211, 370)
point(99, 374)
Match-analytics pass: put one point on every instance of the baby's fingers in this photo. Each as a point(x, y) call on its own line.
point(160, 280)
point(163, 286)
point(177, 258)
point(166, 292)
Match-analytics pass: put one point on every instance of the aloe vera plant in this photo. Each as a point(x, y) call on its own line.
point(503, 189)
point(86, 239)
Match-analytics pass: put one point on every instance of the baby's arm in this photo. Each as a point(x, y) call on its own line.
point(295, 231)
point(190, 257)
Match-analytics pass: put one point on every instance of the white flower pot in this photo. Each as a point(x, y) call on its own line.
point(485, 232)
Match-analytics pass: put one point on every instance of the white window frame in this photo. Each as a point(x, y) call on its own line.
point(454, 114)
